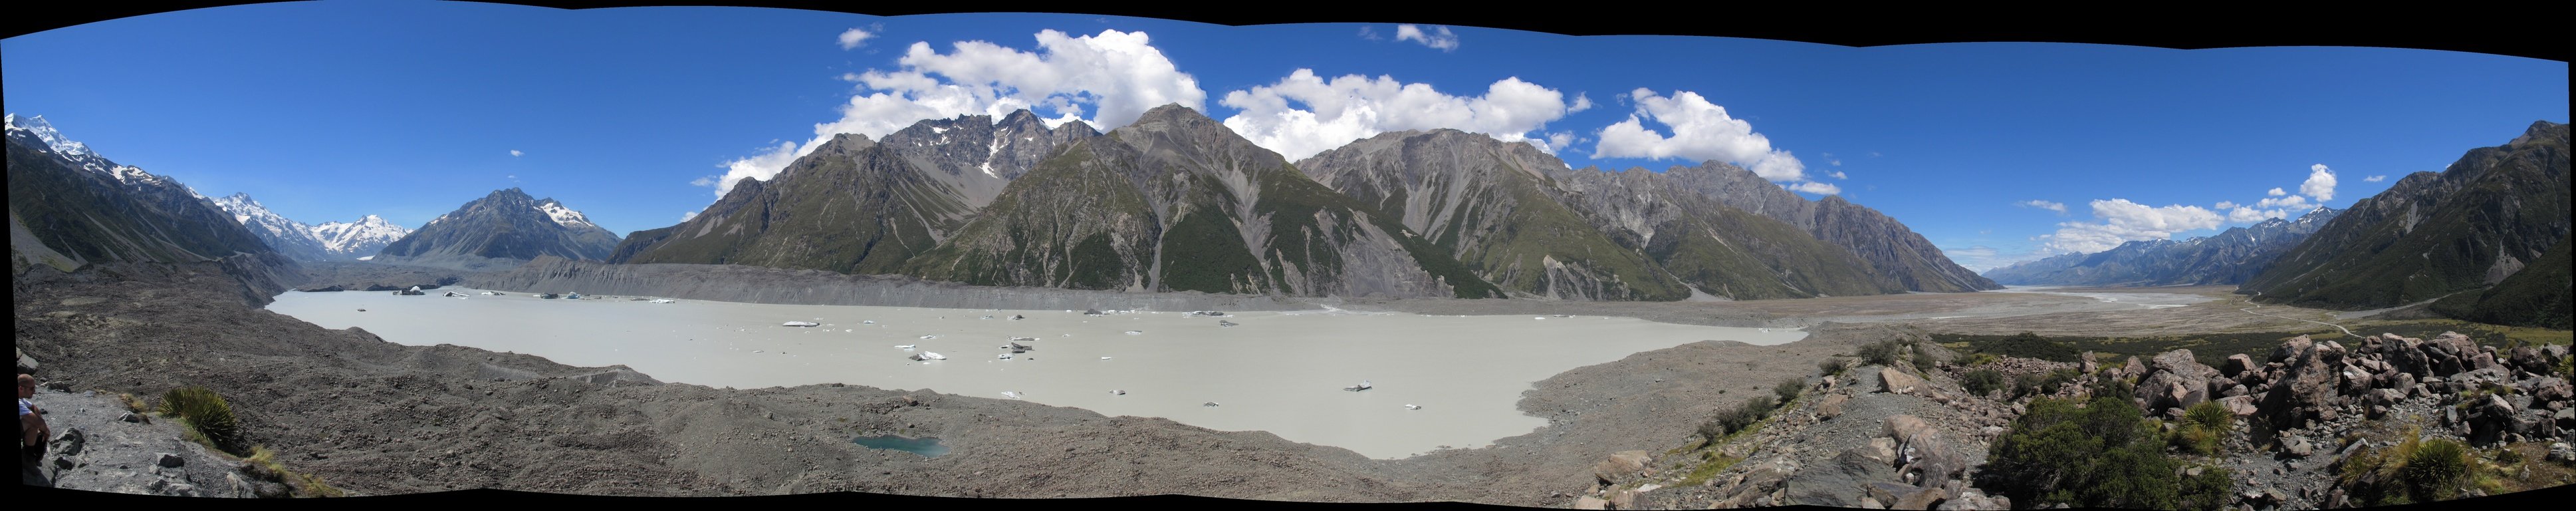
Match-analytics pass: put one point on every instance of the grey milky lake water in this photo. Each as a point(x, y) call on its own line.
point(1281, 372)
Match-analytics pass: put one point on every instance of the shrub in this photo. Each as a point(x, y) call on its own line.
point(1982, 358)
point(1731, 420)
point(1923, 359)
point(1834, 366)
point(1789, 389)
point(2046, 383)
point(132, 404)
point(2100, 455)
point(1982, 381)
point(2028, 345)
point(1881, 353)
point(207, 414)
point(2212, 489)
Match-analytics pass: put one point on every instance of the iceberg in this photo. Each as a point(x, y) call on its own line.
point(801, 323)
point(1364, 385)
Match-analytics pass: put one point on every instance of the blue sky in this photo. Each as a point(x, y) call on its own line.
point(1994, 151)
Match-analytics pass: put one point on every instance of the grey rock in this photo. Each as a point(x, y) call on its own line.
point(171, 460)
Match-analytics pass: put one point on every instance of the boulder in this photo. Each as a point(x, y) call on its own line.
point(2242, 406)
point(1921, 500)
point(1591, 503)
point(2133, 369)
point(1881, 450)
point(1894, 381)
point(2297, 446)
point(1620, 466)
point(2528, 359)
point(1832, 406)
point(2306, 387)
point(2236, 365)
point(2086, 365)
point(2547, 389)
point(1903, 427)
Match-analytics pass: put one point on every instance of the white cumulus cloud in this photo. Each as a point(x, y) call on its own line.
point(1304, 114)
point(2226, 204)
point(2242, 214)
point(515, 152)
point(854, 38)
point(686, 215)
point(1437, 37)
point(1701, 131)
point(2291, 202)
point(1106, 80)
point(2276, 192)
point(1813, 187)
point(2125, 221)
point(2320, 184)
point(2058, 207)
point(2374, 179)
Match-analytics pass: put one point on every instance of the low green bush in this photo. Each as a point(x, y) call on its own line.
point(1789, 389)
point(1882, 353)
point(1982, 381)
point(1834, 366)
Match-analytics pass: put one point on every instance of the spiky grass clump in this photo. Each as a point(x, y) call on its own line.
point(206, 414)
point(265, 466)
point(132, 404)
point(2434, 470)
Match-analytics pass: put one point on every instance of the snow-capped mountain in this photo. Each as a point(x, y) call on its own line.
point(289, 237)
point(69, 207)
point(360, 239)
point(80, 156)
point(499, 231)
point(331, 241)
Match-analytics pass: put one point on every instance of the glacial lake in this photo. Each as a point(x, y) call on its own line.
point(1281, 372)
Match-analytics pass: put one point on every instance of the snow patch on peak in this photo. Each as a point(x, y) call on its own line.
point(35, 125)
point(564, 216)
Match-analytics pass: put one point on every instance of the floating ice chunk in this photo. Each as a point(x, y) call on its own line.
point(1412, 407)
point(801, 323)
point(929, 336)
point(1010, 394)
point(1135, 332)
point(908, 346)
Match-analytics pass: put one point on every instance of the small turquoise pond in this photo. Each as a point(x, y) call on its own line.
point(925, 446)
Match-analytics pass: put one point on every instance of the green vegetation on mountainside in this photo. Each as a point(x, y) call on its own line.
point(2537, 296)
point(1072, 222)
point(2431, 235)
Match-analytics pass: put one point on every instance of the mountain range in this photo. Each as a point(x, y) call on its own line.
point(331, 241)
point(69, 208)
point(1176, 201)
point(500, 231)
point(2227, 258)
point(2478, 224)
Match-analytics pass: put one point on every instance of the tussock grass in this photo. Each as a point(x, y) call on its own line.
point(208, 417)
point(264, 465)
